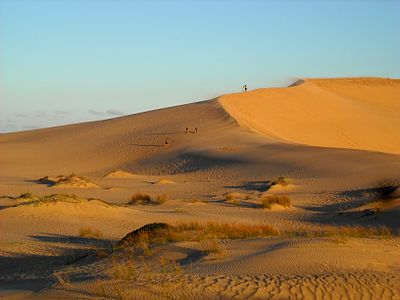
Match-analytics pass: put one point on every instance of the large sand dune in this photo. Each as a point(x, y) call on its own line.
point(355, 113)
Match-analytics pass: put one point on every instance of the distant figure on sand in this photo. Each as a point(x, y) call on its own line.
point(244, 88)
point(195, 130)
point(166, 141)
point(186, 130)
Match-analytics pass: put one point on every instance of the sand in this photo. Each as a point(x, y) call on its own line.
point(335, 140)
point(342, 113)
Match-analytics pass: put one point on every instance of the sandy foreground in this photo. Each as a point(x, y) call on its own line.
point(330, 147)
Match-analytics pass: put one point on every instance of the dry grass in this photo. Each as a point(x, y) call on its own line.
point(135, 279)
point(53, 198)
point(213, 230)
point(90, 232)
point(61, 278)
point(160, 233)
point(212, 247)
point(140, 198)
point(30, 199)
point(281, 180)
point(355, 231)
point(231, 199)
point(146, 199)
point(123, 270)
point(101, 253)
point(70, 180)
point(169, 266)
point(267, 201)
point(197, 201)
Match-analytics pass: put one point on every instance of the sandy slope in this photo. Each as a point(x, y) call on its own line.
point(223, 153)
point(44, 239)
point(361, 113)
point(334, 139)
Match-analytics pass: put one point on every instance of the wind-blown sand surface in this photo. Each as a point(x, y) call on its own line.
point(334, 141)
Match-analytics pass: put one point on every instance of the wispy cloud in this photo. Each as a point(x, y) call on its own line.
point(109, 112)
point(96, 113)
point(113, 112)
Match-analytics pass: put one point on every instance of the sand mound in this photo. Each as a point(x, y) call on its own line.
point(164, 181)
point(72, 180)
point(358, 113)
point(119, 174)
point(281, 188)
point(30, 199)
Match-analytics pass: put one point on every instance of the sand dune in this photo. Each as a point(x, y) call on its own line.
point(119, 174)
point(335, 141)
point(355, 113)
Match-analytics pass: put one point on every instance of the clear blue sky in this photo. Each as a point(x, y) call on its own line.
point(76, 60)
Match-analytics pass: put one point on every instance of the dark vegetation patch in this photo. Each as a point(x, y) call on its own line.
point(146, 199)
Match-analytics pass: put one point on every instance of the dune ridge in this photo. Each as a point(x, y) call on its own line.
point(355, 113)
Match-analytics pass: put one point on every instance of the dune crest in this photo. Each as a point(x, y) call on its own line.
point(68, 181)
point(355, 113)
point(119, 174)
point(164, 181)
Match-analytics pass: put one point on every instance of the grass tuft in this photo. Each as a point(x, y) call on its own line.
point(146, 199)
point(267, 201)
point(90, 232)
point(212, 247)
point(140, 198)
point(229, 198)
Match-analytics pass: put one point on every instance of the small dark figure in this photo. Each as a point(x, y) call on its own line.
point(186, 130)
point(166, 142)
point(245, 87)
point(196, 130)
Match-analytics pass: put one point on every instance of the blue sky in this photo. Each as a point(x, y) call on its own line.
point(76, 60)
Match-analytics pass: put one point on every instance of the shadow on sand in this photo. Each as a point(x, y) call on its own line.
point(260, 186)
point(338, 214)
point(34, 272)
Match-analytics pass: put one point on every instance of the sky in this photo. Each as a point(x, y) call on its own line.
point(73, 61)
